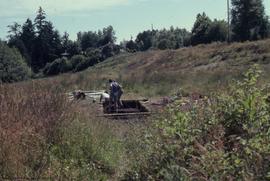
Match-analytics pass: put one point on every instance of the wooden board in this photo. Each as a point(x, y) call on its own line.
point(115, 115)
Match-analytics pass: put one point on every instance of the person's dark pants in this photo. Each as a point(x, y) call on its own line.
point(115, 100)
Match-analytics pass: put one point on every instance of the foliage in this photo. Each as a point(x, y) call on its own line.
point(93, 56)
point(225, 137)
point(76, 63)
point(28, 37)
point(47, 44)
point(84, 152)
point(29, 121)
point(44, 136)
point(172, 38)
point(93, 53)
point(109, 50)
point(249, 21)
point(206, 31)
point(108, 36)
point(200, 29)
point(131, 46)
point(56, 67)
point(145, 39)
point(96, 39)
point(70, 47)
point(87, 62)
point(39, 42)
point(218, 31)
point(14, 30)
point(88, 39)
point(12, 66)
point(76, 60)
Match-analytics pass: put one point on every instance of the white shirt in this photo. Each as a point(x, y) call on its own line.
point(104, 96)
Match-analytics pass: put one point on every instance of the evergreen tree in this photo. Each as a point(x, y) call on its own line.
point(40, 20)
point(108, 36)
point(69, 46)
point(15, 40)
point(65, 41)
point(218, 31)
point(88, 39)
point(201, 29)
point(47, 44)
point(14, 31)
point(28, 36)
point(145, 39)
point(249, 21)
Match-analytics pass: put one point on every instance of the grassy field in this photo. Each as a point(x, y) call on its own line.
point(42, 134)
point(202, 68)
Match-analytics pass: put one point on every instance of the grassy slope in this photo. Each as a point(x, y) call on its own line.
point(196, 69)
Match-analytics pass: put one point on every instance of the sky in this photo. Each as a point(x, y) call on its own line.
point(128, 17)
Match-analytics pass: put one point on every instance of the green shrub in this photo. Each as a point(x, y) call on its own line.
point(58, 66)
point(224, 137)
point(76, 60)
point(109, 50)
point(94, 53)
point(88, 62)
point(12, 66)
point(93, 56)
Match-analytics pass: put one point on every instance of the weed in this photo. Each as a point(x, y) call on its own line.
point(227, 138)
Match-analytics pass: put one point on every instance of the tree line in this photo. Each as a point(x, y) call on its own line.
point(248, 22)
point(46, 52)
point(44, 49)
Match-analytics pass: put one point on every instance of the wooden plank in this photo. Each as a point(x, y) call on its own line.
point(128, 110)
point(127, 114)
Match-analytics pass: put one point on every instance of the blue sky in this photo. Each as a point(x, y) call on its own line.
point(128, 17)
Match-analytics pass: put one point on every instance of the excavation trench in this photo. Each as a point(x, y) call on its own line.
point(128, 108)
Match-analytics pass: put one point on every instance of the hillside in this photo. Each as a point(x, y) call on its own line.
point(45, 135)
point(201, 68)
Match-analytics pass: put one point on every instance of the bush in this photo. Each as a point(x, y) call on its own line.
point(12, 66)
point(94, 53)
point(58, 66)
point(131, 46)
point(85, 64)
point(164, 44)
point(110, 50)
point(79, 63)
point(76, 63)
point(225, 137)
point(76, 60)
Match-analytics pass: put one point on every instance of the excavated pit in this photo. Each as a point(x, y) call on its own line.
point(130, 107)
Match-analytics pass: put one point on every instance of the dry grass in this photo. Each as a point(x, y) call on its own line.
point(203, 68)
point(43, 135)
point(30, 117)
point(35, 116)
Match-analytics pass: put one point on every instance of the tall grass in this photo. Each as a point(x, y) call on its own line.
point(43, 135)
point(30, 117)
